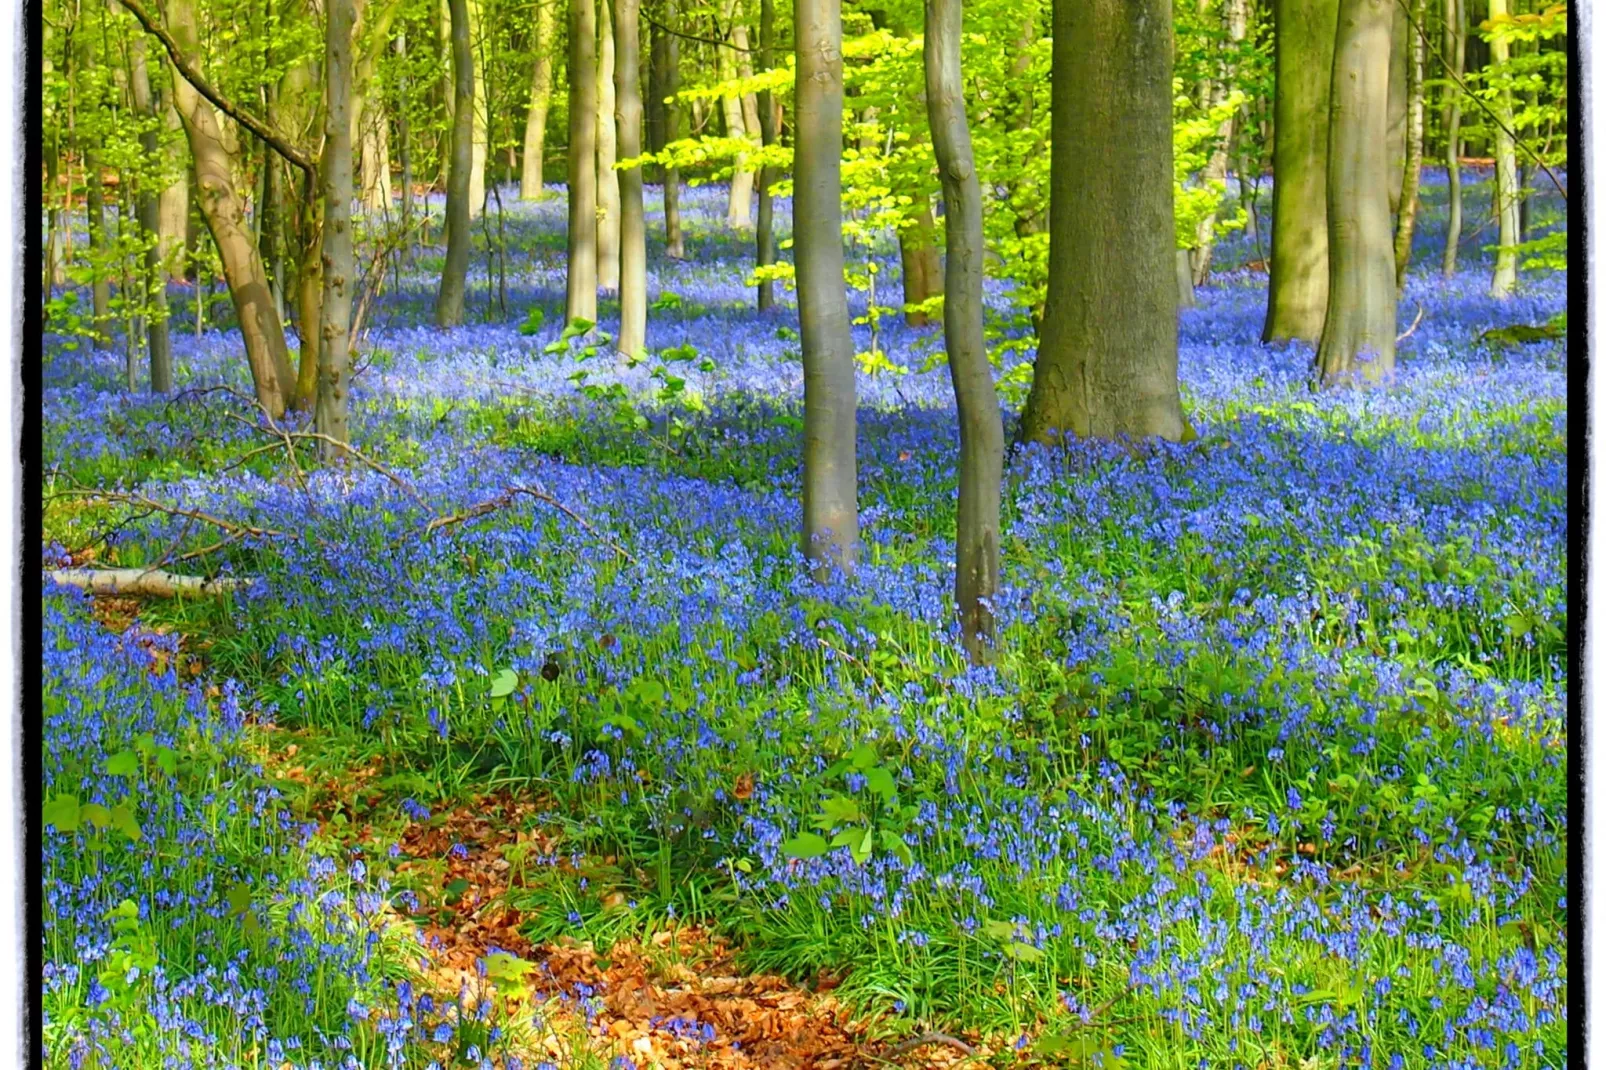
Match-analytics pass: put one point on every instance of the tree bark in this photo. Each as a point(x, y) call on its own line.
point(459, 183)
point(1215, 170)
point(1506, 191)
point(1358, 339)
point(174, 203)
point(375, 133)
point(1415, 73)
point(981, 429)
point(830, 473)
point(739, 209)
point(1107, 362)
point(1455, 50)
point(480, 128)
point(158, 339)
point(607, 155)
point(260, 327)
point(404, 144)
point(765, 252)
point(922, 265)
point(632, 215)
point(145, 582)
point(546, 33)
point(1399, 91)
point(582, 276)
point(1296, 298)
point(674, 242)
point(339, 267)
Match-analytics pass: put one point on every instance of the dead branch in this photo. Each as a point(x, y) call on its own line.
point(1412, 328)
point(132, 498)
point(146, 582)
point(506, 498)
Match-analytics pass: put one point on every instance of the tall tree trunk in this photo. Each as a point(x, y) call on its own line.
point(404, 143)
point(309, 293)
point(981, 429)
point(459, 183)
point(632, 214)
point(1399, 62)
point(157, 338)
point(607, 155)
point(270, 239)
point(339, 266)
point(1415, 73)
point(1455, 51)
point(100, 282)
point(1358, 339)
point(765, 253)
point(1506, 190)
point(739, 210)
point(921, 263)
point(260, 327)
point(375, 133)
point(674, 242)
point(546, 33)
point(830, 465)
point(480, 129)
point(1215, 169)
point(582, 277)
point(173, 206)
point(1107, 363)
point(1296, 299)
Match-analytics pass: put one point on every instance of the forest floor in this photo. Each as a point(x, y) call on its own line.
point(534, 745)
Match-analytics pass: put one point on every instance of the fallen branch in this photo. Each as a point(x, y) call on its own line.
point(127, 498)
point(146, 582)
point(1412, 328)
point(932, 1038)
point(506, 498)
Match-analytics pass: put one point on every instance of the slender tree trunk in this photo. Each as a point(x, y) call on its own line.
point(674, 242)
point(309, 294)
point(1296, 300)
point(1399, 62)
point(632, 215)
point(921, 263)
point(260, 327)
point(739, 210)
point(269, 241)
point(1215, 169)
point(1455, 50)
point(582, 277)
point(100, 283)
point(607, 155)
point(830, 472)
point(480, 129)
point(173, 206)
point(158, 340)
point(1414, 124)
point(375, 128)
point(1358, 339)
point(546, 33)
point(766, 125)
point(1506, 190)
point(339, 266)
point(981, 429)
point(1107, 363)
point(404, 143)
point(459, 184)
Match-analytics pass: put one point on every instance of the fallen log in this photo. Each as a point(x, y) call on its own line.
point(146, 582)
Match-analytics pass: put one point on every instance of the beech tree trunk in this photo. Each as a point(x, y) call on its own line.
point(173, 206)
point(1399, 91)
point(981, 428)
point(1358, 339)
point(531, 186)
point(1215, 170)
point(459, 183)
point(922, 265)
point(582, 277)
point(765, 253)
point(739, 210)
point(1107, 362)
point(1415, 72)
point(375, 134)
point(260, 327)
point(830, 472)
point(100, 290)
point(1455, 51)
point(158, 340)
point(1296, 298)
point(1506, 191)
point(608, 236)
point(480, 129)
point(674, 242)
point(632, 214)
point(339, 266)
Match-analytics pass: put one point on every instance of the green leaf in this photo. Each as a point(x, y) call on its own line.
point(1023, 952)
point(504, 683)
point(861, 853)
point(95, 815)
point(124, 821)
point(123, 763)
point(863, 757)
point(805, 845)
point(879, 780)
point(62, 811)
point(167, 760)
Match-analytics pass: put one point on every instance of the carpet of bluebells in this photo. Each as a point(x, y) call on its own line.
point(1270, 770)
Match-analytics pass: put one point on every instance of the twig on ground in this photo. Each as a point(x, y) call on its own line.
point(131, 498)
point(506, 498)
point(932, 1038)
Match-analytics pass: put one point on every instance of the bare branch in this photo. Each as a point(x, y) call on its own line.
point(506, 498)
point(146, 582)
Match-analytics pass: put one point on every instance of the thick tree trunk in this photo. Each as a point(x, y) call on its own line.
point(1415, 72)
point(1506, 190)
point(739, 210)
point(1399, 90)
point(1107, 362)
point(1358, 339)
point(674, 242)
point(632, 215)
point(459, 183)
point(765, 253)
point(158, 339)
point(1455, 51)
point(981, 429)
point(339, 266)
point(546, 35)
point(582, 277)
point(607, 155)
point(922, 264)
point(260, 326)
point(1215, 170)
point(1296, 299)
point(830, 472)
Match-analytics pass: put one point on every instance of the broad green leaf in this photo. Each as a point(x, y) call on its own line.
point(504, 683)
point(63, 812)
point(123, 763)
point(805, 845)
point(95, 815)
point(861, 853)
point(879, 780)
point(124, 821)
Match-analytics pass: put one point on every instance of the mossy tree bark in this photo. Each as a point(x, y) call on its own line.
point(1357, 344)
point(459, 183)
point(581, 302)
point(830, 465)
point(1107, 362)
point(1296, 298)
